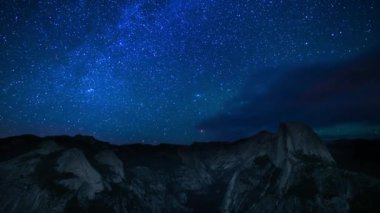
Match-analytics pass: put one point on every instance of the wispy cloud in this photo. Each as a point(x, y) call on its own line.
point(323, 95)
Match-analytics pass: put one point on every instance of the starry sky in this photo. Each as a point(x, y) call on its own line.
point(178, 71)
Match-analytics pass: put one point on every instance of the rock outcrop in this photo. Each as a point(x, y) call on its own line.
point(85, 180)
point(298, 139)
point(112, 165)
point(287, 171)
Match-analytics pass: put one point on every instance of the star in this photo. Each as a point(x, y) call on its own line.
point(132, 71)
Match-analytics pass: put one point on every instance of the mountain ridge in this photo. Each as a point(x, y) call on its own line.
point(288, 171)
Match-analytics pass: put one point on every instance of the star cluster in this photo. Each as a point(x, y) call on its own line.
point(152, 70)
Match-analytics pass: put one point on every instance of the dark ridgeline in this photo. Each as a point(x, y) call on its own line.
point(359, 155)
point(289, 171)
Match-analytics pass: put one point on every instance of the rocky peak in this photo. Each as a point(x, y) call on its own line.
point(295, 141)
point(299, 139)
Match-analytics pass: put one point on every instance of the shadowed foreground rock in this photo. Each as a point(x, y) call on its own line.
point(290, 171)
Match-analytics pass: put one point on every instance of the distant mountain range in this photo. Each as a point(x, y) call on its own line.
point(288, 171)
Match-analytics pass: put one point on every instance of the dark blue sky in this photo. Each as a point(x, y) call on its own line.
point(178, 71)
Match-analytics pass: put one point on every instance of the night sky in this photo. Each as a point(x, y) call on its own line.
point(178, 71)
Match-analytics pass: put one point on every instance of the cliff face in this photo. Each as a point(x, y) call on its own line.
point(290, 171)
